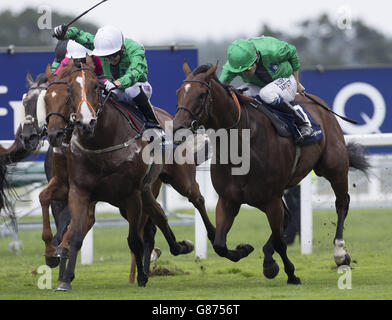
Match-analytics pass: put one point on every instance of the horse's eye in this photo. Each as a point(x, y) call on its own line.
point(202, 96)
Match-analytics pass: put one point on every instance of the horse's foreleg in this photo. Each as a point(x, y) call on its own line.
point(275, 215)
point(226, 211)
point(183, 180)
point(135, 242)
point(47, 236)
point(80, 209)
point(159, 218)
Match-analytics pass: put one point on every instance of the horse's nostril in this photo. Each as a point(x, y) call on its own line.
point(93, 123)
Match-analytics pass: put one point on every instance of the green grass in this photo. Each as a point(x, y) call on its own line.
point(368, 240)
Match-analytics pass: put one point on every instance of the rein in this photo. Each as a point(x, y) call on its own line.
point(96, 114)
point(69, 122)
point(196, 119)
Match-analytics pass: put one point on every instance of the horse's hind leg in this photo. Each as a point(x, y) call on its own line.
point(335, 170)
point(226, 211)
point(340, 186)
point(275, 215)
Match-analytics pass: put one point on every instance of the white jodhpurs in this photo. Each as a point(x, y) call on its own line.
point(279, 90)
point(128, 94)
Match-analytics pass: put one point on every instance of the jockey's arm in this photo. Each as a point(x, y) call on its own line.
point(84, 38)
point(137, 70)
point(226, 76)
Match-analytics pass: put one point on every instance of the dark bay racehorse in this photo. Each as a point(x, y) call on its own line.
point(102, 168)
point(203, 100)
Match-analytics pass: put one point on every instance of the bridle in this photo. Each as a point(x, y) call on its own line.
point(196, 118)
point(195, 124)
point(71, 121)
point(29, 119)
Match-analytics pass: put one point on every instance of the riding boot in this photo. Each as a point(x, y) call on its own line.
point(144, 105)
point(304, 128)
point(146, 108)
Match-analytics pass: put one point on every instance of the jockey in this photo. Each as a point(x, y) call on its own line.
point(124, 62)
point(269, 68)
point(76, 51)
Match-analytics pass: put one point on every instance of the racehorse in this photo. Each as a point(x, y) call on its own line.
point(110, 173)
point(27, 138)
point(203, 100)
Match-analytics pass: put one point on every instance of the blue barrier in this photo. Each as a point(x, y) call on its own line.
point(361, 94)
point(165, 76)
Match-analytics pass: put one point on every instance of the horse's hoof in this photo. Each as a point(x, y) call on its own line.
point(345, 261)
point(187, 246)
point(293, 280)
point(142, 280)
point(61, 252)
point(271, 271)
point(155, 254)
point(63, 286)
point(52, 262)
point(246, 249)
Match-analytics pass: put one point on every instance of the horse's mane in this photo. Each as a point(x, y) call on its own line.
point(41, 79)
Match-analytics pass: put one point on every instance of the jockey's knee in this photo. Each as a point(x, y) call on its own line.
point(270, 97)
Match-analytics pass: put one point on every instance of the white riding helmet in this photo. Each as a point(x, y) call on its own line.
point(76, 50)
point(107, 41)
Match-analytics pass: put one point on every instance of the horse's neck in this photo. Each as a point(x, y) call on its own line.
point(223, 110)
point(111, 129)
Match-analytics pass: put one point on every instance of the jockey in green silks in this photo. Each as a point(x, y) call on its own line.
point(269, 68)
point(123, 62)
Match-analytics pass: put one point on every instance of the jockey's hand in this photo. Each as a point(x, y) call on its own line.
point(300, 88)
point(60, 31)
point(110, 85)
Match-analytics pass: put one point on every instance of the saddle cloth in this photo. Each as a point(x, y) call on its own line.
point(138, 121)
point(285, 125)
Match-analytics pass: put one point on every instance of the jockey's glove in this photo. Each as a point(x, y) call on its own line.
point(60, 31)
point(109, 85)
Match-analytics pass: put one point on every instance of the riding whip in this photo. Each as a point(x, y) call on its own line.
point(78, 17)
point(328, 109)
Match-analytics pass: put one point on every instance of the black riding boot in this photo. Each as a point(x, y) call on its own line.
point(304, 128)
point(144, 105)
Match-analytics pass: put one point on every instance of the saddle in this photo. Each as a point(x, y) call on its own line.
point(136, 118)
point(283, 122)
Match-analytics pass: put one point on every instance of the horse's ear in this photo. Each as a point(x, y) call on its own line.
point(48, 71)
point(210, 73)
point(29, 79)
point(90, 62)
point(186, 68)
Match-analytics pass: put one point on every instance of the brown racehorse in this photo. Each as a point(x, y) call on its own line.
point(203, 100)
point(57, 111)
point(116, 175)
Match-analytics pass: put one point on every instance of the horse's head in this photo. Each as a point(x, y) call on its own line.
point(30, 130)
point(56, 109)
point(193, 98)
point(85, 96)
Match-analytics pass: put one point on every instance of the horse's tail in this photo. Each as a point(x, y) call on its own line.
point(5, 203)
point(357, 155)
